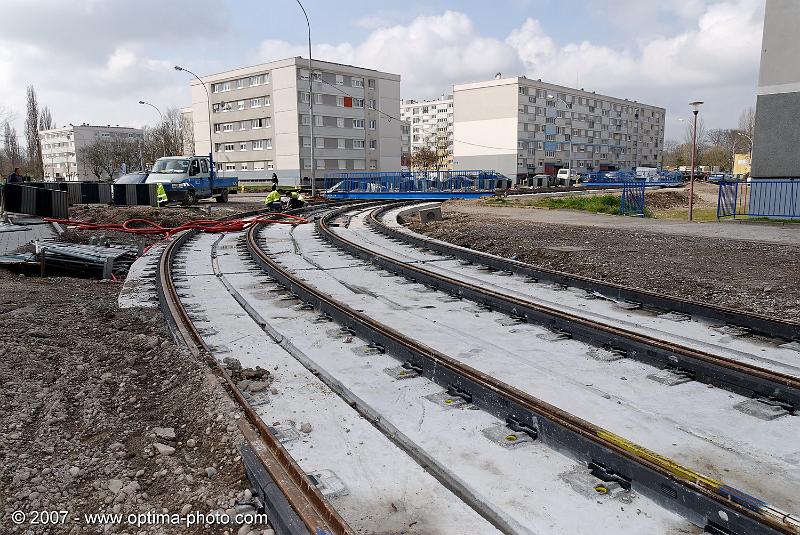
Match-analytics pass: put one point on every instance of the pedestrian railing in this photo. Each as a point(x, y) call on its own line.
point(632, 200)
point(413, 181)
point(778, 199)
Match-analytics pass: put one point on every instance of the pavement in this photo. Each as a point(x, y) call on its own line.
point(788, 234)
point(14, 236)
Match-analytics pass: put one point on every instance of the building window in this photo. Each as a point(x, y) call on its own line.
point(255, 103)
point(229, 147)
point(373, 144)
point(358, 82)
point(320, 164)
point(258, 166)
point(304, 76)
point(257, 123)
point(270, 165)
point(306, 164)
point(240, 83)
point(317, 98)
point(358, 123)
point(244, 167)
point(358, 102)
point(373, 124)
point(304, 98)
point(242, 146)
point(372, 103)
point(305, 120)
point(550, 154)
point(340, 143)
point(320, 142)
point(358, 143)
point(358, 164)
point(342, 164)
point(318, 120)
point(340, 101)
point(227, 127)
point(339, 79)
point(240, 105)
point(340, 122)
point(258, 144)
point(217, 127)
point(371, 83)
point(373, 164)
point(306, 142)
point(268, 143)
point(230, 167)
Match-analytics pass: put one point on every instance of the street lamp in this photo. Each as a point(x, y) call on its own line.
point(164, 138)
point(210, 139)
point(695, 110)
point(310, 98)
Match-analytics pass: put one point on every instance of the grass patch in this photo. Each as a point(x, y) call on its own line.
point(604, 204)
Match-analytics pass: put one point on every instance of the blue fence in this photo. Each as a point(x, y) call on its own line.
point(632, 200)
point(759, 198)
point(620, 178)
point(413, 184)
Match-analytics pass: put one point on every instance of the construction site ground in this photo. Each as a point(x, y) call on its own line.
point(748, 266)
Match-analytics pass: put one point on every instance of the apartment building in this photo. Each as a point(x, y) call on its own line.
point(521, 127)
point(62, 149)
point(429, 123)
point(261, 121)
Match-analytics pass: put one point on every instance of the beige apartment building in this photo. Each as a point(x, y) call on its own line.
point(261, 124)
point(520, 127)
point(429, 123)
point(62, 149)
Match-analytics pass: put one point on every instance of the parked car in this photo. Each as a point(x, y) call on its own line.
point(138, 177)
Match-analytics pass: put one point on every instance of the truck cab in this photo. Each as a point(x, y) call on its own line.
point(187, 179)
point(567, 177)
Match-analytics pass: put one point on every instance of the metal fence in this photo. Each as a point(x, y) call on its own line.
point(79, 192)
point(632, 200)
point(778, 199)
point(620, 178)
point(35, 201)
point(409, 182)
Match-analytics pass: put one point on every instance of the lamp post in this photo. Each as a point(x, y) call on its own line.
point(695, 110)
point(310, 98)
point(164, 139)
point(210, 139)
point(751, 149)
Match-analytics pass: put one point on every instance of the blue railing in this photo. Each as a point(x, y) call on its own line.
point(759, 198)
point(416, 184)
point(632, 200)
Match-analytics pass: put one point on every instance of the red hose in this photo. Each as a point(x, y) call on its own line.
point(147, 227)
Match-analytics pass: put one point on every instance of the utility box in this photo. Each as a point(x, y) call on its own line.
point(430, 214)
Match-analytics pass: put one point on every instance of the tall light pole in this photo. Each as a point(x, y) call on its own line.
point(164, 138)
point(751, 150)
point(310, 98)
point(210, 139)
point(695, 110)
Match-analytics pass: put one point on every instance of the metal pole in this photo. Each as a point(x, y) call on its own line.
point(164, 139)
point(210, 139)
point(310, 99)
point(691, 175)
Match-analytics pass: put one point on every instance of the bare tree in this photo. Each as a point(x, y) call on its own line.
point(187, 126)
point(725, 143)
point(46, 119)
point(701, 136)
point(34, 148)
point(747, 121)
point(11, 151)
point(105, 158)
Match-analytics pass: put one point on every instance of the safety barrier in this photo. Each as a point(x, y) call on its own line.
point(35, 201)
point(779, 199)
point(80, 192)
point(413, 184)
point(135, 194)
point(632, 200)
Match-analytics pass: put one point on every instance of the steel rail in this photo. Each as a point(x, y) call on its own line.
point(740, 377)
point(710, 504)
point(756, 323)
point(294, 504)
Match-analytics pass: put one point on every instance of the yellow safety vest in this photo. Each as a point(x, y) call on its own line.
point(272, 197)
point(161, 193)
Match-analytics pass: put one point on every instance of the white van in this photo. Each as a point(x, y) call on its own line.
point(567, 177)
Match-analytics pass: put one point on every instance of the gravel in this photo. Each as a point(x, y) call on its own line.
point(750, 276)
point(101, 412)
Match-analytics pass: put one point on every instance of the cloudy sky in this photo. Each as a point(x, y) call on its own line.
point(93, 60)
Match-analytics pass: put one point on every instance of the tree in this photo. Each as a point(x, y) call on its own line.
point(725, 142)
point(424, 158)
point(11, 151)
point(34, 148)
point(747, 121)
point(104, 158)
point(701, 136)
point(46, 119)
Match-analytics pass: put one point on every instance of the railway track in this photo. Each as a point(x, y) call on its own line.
point(293, 503)
point(697, 497)
point(773, 387)
point(613, 461)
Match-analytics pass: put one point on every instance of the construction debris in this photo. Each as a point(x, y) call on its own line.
point(110, 260)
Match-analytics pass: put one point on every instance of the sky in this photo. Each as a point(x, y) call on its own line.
point(93, 60)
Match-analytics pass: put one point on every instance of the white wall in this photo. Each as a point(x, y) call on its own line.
point(389, 130)
point(286, 120)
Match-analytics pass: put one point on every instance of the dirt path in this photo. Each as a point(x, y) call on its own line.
point(686, 260)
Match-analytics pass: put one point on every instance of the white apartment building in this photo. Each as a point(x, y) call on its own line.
point(521, 127)
point(429, 123)
point(62, 149)
point(261, 122)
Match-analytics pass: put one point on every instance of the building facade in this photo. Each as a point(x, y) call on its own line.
point(260, 120)
point(62, 149)
point(429, 123)
point(777, 134)
point(520, 127)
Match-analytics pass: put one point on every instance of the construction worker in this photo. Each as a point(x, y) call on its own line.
point(161, 194)
point(273, 200)
point(296, 200)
